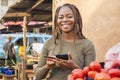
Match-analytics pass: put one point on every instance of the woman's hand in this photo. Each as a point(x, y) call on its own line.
point(68, 64)
point(50, 63)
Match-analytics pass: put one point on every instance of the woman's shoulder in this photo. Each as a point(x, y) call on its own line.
point(87, 42)
point(49, 41)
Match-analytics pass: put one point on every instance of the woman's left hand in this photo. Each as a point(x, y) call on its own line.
point(68, 64)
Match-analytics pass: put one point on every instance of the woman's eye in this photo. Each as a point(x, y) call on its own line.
point(60, 17)
point(70, 16)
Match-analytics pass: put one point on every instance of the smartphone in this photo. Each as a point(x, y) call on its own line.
point(62, 56)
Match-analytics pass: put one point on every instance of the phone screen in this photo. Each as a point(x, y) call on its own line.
point(62, 56)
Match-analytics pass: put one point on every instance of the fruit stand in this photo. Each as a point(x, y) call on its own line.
point(95, 72)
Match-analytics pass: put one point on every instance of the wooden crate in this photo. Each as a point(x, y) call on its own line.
point(8, 77)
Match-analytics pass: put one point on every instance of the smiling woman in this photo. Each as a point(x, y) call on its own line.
point(67, 38)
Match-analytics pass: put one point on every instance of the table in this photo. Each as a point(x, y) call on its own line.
point(18, 71)
point(8, 77)
point(30, 74)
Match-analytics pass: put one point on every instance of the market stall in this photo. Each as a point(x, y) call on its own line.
point(26, 11)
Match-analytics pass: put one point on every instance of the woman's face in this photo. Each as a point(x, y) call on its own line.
point(66, 19)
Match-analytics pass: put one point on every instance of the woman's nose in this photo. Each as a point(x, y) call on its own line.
point(64, 19)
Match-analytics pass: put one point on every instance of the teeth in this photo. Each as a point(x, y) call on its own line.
point(65, 24)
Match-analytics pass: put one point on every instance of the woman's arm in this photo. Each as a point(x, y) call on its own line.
point(89, 52)
point(41, 70)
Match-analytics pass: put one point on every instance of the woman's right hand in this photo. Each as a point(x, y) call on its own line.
point(50, 63)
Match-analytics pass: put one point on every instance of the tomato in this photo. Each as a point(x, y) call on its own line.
point(102, 76)
point(70, 77)
point(115, 64)
point(115, 78)
point(95, 66)
point(114, 72)
point(78, 73)
point(79, 79)
point(103, 71)
point(86, 70)
point(91, 74)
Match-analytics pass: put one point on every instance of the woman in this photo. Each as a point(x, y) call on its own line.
point(68, 38)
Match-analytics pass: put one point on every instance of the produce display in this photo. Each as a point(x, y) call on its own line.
point(94, 72)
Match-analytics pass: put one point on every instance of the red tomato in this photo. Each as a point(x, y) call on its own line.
point(79, 79)
point(91, 74)
point(70, 77)
point(102, 76)
point(95, 66)
point(115, 64)
point(78, 73)
point(103, 71)
point(114, 72)
point(86, 70)
point(115, 78)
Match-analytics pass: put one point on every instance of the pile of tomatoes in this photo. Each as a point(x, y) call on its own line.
point(94, 72)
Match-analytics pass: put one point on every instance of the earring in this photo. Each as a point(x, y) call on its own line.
point(78, 30)
point(58, 30)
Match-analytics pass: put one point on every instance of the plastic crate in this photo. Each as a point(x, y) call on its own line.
point(9, 72)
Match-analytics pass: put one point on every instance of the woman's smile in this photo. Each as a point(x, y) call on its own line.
point(65, 25)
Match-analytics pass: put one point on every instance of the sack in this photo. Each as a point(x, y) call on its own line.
point(112, 57)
